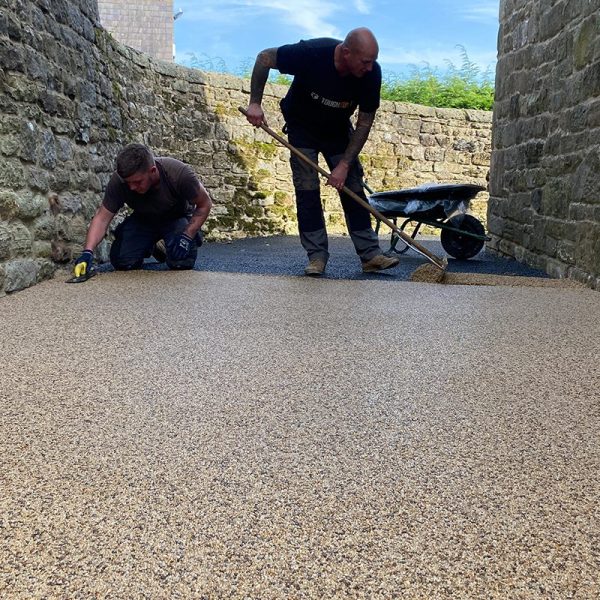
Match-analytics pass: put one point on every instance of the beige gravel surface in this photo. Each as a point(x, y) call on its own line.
point(210, 435)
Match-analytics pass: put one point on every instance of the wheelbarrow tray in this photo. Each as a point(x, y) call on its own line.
point(440, 205)
point(427, 200)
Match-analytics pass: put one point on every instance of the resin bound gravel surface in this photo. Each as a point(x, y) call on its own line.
point(218, 435)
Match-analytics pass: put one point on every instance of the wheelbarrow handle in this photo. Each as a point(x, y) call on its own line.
point(441, 263)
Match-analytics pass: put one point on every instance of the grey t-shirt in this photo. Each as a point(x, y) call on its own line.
point(172, 199)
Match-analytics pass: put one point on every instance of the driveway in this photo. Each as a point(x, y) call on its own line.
point(213, 434)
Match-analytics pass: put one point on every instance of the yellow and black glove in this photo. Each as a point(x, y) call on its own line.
point(84, 263)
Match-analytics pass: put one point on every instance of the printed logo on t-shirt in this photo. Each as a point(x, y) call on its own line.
point(330, 103)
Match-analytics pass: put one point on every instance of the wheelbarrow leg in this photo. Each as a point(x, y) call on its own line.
point(396, 238)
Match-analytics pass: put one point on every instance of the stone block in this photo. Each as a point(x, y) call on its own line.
point(13, 56)
point(20, 239)
point(59, 180)
point(46, 269)
point(481, 158)
point(427, 139)
point(9, 204)
point(585, 184)
point(69, 202)
point(565, 252)
point(9, 145)
point(587, 34)
point(11, 174)
point(20, 274)
point(408, 125)
point(38, 179)
point(460, 158)
point(28, 142)
point(434, 154)
point(445, 141)
point(478, 116)
point(47, 150)
point(5, 241)
point(556, 268)
point(588, 246)
point(41, 249)
point(30, 205)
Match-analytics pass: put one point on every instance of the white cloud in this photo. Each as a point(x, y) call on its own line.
point(312, 17)
point(362, 7)
point(485, 11)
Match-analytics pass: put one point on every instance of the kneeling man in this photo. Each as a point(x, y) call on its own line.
point(168, 203)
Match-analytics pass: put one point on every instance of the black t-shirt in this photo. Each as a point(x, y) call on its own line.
point(319, 98)
point(172, 199)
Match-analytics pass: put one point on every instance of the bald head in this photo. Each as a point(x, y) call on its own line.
point(357, 53)
point(362, 40)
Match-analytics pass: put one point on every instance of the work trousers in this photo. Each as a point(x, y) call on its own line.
point(311, 220)
point(135, 239)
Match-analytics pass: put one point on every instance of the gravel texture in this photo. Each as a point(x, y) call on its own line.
point(217, 435)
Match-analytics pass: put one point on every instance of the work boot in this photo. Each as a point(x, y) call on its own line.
point(379, 263)
point(160, 251)
point(316, 267)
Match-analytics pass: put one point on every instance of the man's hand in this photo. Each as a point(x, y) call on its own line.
point(338, 176)
point(83, 263)
point(181, 246)
point(256, 115)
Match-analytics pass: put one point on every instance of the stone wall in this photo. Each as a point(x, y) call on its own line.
point(71, 96)
point(146, 25)
point(544, 207)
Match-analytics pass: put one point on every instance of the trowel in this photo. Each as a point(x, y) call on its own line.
point(87, 275)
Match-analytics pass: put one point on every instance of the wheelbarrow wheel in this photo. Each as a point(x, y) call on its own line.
point(462, 246)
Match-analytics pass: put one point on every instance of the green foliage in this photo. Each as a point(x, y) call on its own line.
point(204, 62)
point(463, 87)
point(280, 79)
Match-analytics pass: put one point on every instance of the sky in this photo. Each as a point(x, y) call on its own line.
point(227, 35)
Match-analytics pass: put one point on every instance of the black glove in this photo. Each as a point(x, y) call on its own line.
point(181, 247)
point(84, 263)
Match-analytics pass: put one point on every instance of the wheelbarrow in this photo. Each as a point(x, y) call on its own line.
point(439, 205)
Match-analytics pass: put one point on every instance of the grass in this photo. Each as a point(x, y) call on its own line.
point(457, 87)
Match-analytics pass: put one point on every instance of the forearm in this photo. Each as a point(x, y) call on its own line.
point(196, 221)
point(265, 61)
point(96, 232)
point(200, 214)
point(359, 137)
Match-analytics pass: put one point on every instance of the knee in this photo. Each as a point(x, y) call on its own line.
point(126, 265)
point(303, 177)
point(308, 199)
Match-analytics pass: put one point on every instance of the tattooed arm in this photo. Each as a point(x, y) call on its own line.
point(265, 61)
point(358, 139)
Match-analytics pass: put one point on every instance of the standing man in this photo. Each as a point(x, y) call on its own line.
point(331, 79)
point(169, 203)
